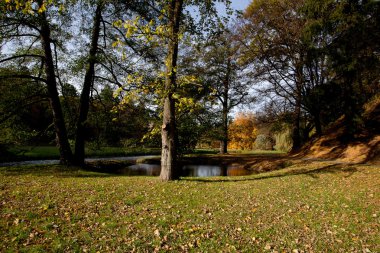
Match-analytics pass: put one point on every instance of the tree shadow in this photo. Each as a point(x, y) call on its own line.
point(60, 171)
point(347, 169)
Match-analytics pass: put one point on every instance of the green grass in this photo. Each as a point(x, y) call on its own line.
point(22, 153)
point(319, 207)
point(33, 153)
point(51, 152)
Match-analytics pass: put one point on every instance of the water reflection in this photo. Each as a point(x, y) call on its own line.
point(187, 170)
point(234, 171)
point(142, 170)
point(202, 171)
point(152, 169)
point(55, 162)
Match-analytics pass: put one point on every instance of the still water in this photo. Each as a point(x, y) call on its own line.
point(187, 170)
point(55, 162)
point(195, 170)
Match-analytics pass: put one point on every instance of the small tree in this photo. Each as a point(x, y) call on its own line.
point(242, 132)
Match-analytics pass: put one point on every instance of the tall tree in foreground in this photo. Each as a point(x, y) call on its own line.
point(168, 29)
point(169, 135)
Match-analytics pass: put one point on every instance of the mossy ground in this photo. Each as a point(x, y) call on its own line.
point(318, 207)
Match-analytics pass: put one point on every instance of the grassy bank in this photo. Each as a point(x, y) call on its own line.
point(51, 152)
point(320, 207)
point(24, 153)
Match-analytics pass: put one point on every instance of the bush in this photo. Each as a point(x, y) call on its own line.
point(264, 142)
point(283, 140)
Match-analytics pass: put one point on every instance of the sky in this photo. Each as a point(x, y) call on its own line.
point(240, 4)
point(235, 4)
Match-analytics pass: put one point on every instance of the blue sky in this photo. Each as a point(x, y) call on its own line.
point(235, 4)
point(240, 4)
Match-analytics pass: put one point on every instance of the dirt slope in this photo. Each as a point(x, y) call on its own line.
point(365, 147)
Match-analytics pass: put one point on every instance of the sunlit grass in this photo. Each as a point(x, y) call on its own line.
point(321, 207)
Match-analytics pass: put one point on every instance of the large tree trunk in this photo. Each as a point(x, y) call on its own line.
point(59, 122)
point(169, 170)
point(226, 84)
point(87, 86)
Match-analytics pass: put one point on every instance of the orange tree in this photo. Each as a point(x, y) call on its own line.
point(242, 132)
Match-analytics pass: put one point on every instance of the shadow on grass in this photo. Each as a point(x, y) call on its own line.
point(88, 171)
point(332, 168)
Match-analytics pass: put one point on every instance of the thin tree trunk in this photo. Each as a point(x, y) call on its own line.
point(296, 131)
point(87, 85)
point(317, 123)
point(169, 170)
point(296, 136)
point(224, 141)
point(59, 122)
point(349, 106)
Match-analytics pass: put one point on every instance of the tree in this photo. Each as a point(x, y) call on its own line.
point(222, 76)
point(33, 20)
point(272, 35)
point(242, 131)
point(24, 109)
point(87, 85)
point(169, 135)
point(110, 66)
point(169, 28)
point(352, 51)
point(318, 56)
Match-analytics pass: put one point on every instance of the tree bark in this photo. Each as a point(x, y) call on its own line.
point(87, 86)
point(350, 106)
point(317, 123)
point(296, 131)
point(59, 122)
point(226, 84)
point(169, 170)
point(296, 136)
point(224, 140)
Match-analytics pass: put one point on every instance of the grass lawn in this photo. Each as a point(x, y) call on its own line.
point(51, 152)
point(320, 207)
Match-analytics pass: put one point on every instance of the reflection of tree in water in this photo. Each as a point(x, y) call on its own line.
point(144, 170)
point(237, 171)
point(201, 170)
point(213, 170)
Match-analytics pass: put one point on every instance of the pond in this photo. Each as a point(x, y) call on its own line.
point(187, 170)
point(55, 162)
point(144, 169)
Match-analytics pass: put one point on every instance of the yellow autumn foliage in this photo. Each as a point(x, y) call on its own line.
point(242, 132)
